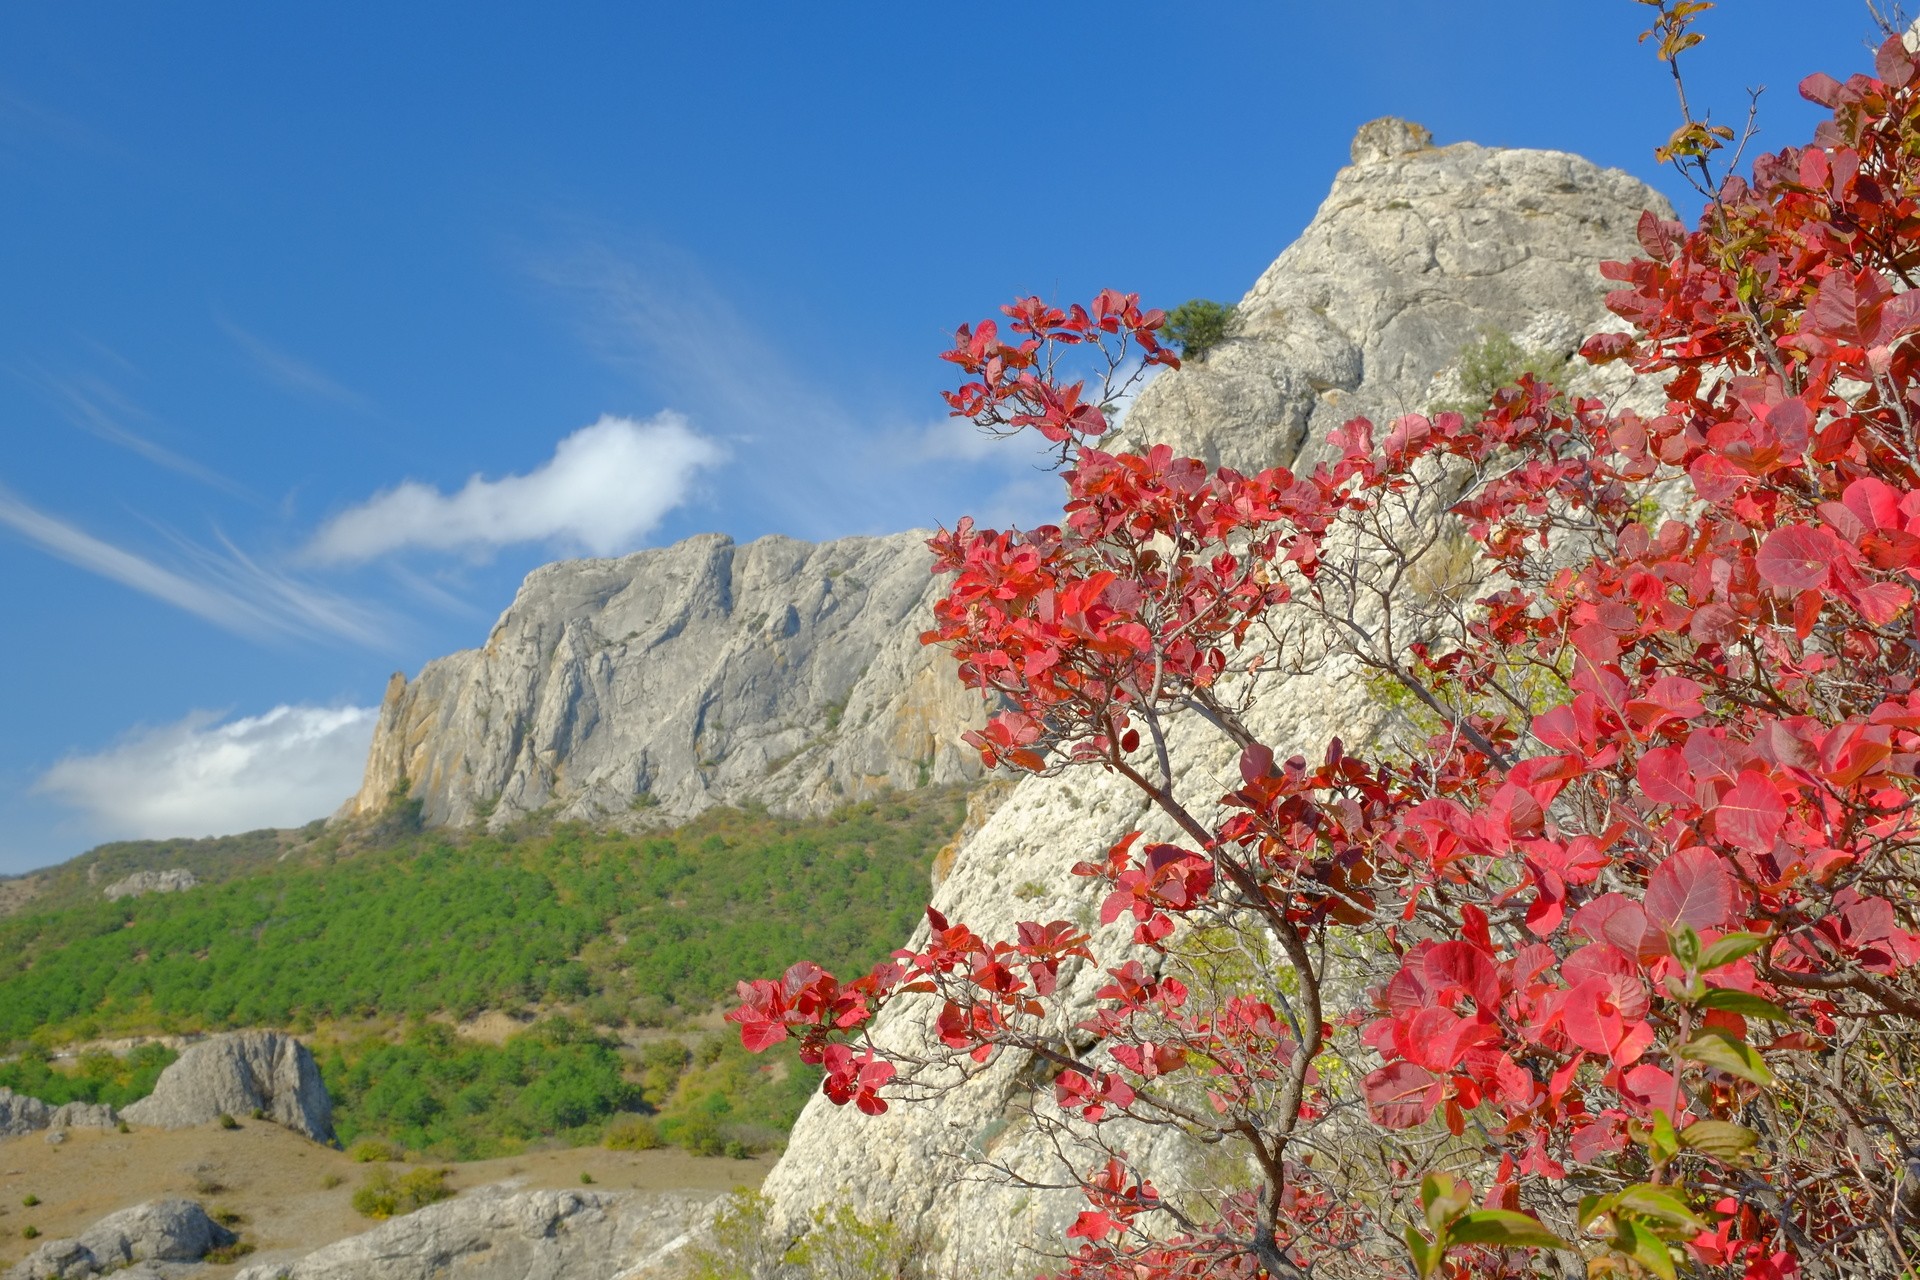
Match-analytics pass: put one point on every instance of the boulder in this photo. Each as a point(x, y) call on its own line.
point(498, 1233)
point(20, 1114)
point(157, 1231)
point(247, 1072)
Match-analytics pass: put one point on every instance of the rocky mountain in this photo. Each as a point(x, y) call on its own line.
point(653, 686)
point(1417, 250)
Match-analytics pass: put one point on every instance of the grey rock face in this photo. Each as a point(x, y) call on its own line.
point(653, 686)
point(236, 1075)
point(499, 1234)
point(20, 1114)
point(1416, 251)
point(157, 1231)
point(172, 880)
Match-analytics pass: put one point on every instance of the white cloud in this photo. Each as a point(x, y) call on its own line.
point(227, 588)
point(604, 489)
point(199, 778)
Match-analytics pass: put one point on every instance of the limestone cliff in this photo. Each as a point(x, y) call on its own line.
point(653, 686)
point(1416, 250)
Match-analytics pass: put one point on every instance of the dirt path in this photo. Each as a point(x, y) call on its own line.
point(278, 1182)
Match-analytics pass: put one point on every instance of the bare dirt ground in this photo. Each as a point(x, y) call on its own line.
point(279, 1182)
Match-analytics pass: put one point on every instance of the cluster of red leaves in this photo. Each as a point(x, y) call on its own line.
point(1619, 924)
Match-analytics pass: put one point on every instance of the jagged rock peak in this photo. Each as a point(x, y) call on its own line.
point(1416, 250)
point(1389, 138)
point(650, 687)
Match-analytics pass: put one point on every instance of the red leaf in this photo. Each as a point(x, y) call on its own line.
point(1693, 887)
point(1461, 964)
point(1663, 776)
point(1751, 815)
point(1401, 1095)
point(1796, 558)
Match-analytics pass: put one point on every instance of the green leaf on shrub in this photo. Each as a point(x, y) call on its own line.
point(1718, 1138)
point(1505, 1228)
point(1728, 1053)
point(1744, 1003)
point(1727, 949)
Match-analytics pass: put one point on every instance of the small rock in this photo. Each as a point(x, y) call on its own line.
point(56, 1137)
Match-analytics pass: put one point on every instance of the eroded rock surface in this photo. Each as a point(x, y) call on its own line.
point(653, 686)
point(497, 1233)
point(248, 1072)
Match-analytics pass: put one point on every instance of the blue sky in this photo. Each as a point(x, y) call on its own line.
point(319, 329)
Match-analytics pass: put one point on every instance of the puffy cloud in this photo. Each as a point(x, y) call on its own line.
point(604, 489)
point(199, 777)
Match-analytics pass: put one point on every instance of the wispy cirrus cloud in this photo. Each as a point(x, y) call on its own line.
point(803, 461)
point(289, 371)
point(605, 488)
point(201, 776)
point(224, 586)
point(97, 407)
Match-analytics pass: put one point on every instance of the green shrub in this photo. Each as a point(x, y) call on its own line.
point(369, 1150)
point(632, 1133)
point(30, 1200)
point(228, 1122)
point(1492, 361)
point(1197, 326)
point(842, 1245)
point(225, 1253)
point(29, 1232)
point(741, 1245)
point(383, 1195)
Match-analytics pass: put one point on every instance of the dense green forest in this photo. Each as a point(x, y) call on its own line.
point(452, 1099)
point(359, 942)
point(627, 929)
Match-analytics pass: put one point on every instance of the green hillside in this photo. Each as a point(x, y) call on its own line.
point(592, 932)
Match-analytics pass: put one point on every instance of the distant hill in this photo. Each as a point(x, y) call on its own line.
point(211, 860)
point(373, 938)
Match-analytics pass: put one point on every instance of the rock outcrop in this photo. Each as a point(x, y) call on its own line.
point(172, 880)
point(267, 1073)
point(1416, 251)
point(157, 1231)
point(497, 1233)
point(653, 686)
point(20, 1114)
